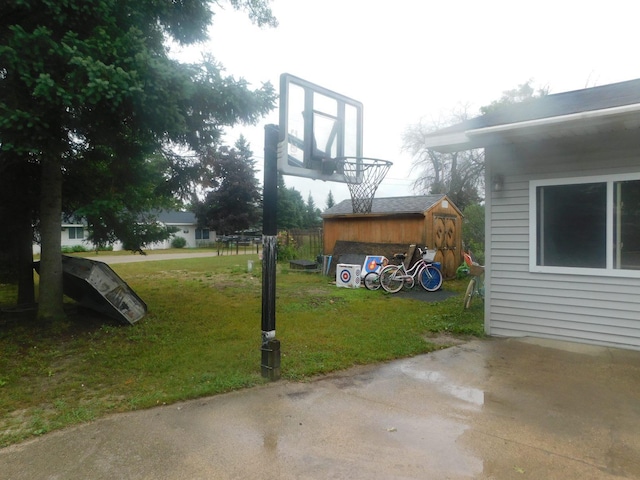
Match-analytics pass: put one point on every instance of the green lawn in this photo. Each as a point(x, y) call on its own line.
point(201, 337)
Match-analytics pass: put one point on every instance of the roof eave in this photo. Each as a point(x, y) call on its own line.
point(450, 142)
point(480, 137)
point(372, 215)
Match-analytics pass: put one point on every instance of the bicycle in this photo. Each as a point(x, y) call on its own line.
point(476, 284)
point(394, 277)
point(372, 279)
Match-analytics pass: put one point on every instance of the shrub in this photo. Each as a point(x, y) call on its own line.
point(286, 246)
point(473, 233)
point(74, 249)
point(178, 242)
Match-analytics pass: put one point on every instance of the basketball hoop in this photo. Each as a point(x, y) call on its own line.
point(363, 176)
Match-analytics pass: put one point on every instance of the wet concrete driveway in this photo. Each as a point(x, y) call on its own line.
point(486, 409)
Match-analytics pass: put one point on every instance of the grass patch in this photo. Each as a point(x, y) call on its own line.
point(200, 337)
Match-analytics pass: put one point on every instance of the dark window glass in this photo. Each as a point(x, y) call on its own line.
point(626, 238)
point(571, 230)
point(76, 233)
point(202, 234)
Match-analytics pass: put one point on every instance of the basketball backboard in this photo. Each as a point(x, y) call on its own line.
point(317, 126)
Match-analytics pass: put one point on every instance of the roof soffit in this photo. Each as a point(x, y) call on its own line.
point(589, 111)
point(574, 125)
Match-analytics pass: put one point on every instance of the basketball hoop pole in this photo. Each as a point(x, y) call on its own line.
point(270, 347)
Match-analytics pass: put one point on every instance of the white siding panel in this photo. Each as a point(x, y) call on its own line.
point(576, 307)
point(567, 285)
point(511, 252)
point(581, 336)
point(510, 209)
point(498, 232)
point(511, 265)
point(589, 309)
point(508, 245)
point(510, 222)
point(567, 323)
point(590, 322)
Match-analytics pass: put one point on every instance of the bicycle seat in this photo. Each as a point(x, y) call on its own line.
point(400, 256)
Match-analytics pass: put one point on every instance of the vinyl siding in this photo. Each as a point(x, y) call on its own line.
point(603, 310)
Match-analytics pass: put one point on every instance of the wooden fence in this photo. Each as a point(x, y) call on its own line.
point(237, 247)
point(308, 243)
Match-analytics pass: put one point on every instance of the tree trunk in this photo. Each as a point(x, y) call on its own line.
point(50, 306)
point(16, 238)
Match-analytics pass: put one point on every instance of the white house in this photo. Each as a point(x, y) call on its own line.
point(562, 214)
point(74, 233)
point(187, 226)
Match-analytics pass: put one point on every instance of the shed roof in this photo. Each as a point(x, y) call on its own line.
point(585, 111)
point(390, 205)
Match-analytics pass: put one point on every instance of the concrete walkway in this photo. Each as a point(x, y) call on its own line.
point(487, 409)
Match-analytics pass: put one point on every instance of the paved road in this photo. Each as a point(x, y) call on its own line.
point(486, 409)
point(149, 257)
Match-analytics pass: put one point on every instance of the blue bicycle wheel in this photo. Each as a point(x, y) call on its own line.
point(430, 278)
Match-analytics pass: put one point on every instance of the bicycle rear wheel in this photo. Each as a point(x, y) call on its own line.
point(389, 280)
point(471, 289)
point(372, 281)
point(430, 278)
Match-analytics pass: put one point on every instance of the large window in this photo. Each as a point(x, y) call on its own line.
point(586, 223)
point(626, 224)
point(202, 234)
point(76, 233)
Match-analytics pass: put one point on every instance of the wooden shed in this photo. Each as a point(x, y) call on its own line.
point(427, 220)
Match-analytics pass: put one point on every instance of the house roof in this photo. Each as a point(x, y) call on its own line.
point(172, 217)
point(578, 112)
point(391, 205)
point(177, 218)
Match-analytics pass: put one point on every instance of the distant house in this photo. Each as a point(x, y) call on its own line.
point(562, 214)
point(426, 220)
point(187, 225)
point(74, 233)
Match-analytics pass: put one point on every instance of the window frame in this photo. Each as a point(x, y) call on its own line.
point(200, 233)
point(75, 230)
point(608, 270)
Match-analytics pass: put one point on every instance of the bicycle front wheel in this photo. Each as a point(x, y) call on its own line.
point(372, 281)
point(389, 279)
point(468, 296)
point(430, 278)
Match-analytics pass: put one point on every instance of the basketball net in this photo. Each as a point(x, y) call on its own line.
point(363, 176)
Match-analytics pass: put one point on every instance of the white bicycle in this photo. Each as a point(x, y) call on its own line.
point(393, 278)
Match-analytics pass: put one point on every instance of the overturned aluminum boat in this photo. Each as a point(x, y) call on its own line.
point(95, 285)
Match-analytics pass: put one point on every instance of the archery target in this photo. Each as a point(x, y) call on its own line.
point(348, 275)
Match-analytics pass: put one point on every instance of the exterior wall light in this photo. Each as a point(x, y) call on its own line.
point(497, 183)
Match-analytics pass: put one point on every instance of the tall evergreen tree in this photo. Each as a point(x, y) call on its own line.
point(87, 89)
point(291, 206)
point(330, 201)
point(233, 202)
point(312, 217)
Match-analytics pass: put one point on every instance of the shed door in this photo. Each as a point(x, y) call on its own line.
point(445, 237)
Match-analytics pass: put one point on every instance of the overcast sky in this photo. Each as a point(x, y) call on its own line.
point(408, 60)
